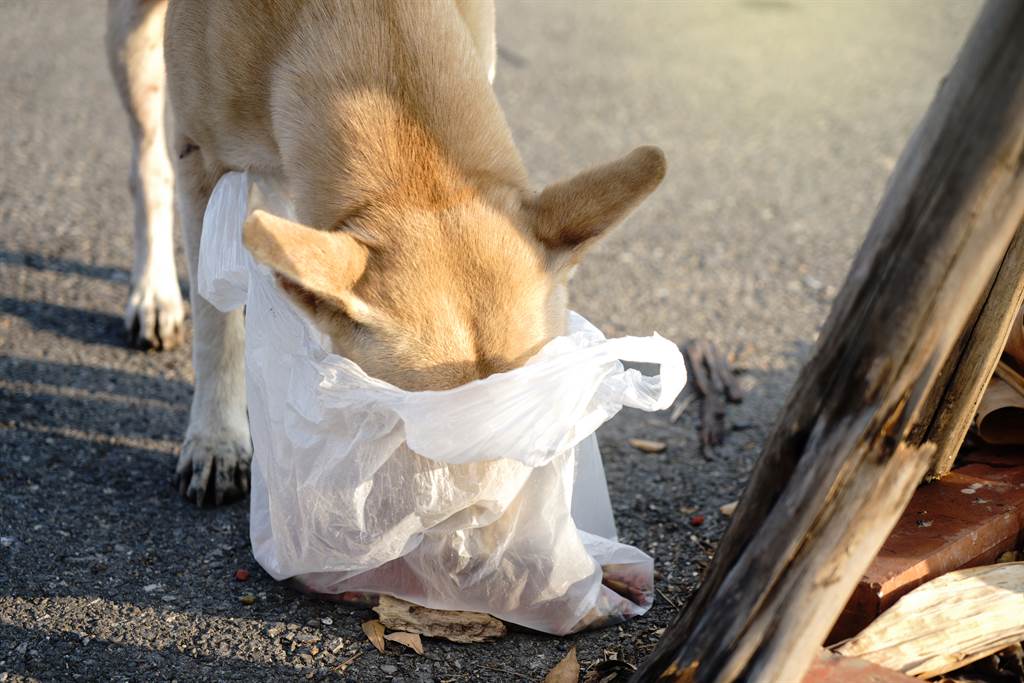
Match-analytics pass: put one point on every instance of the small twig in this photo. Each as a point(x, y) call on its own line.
point(344, 665)
point(725, 376)
point(667, 599)
point(678, 411)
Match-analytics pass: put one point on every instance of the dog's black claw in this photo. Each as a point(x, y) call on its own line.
point(133, 334)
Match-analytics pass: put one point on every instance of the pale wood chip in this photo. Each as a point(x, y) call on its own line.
point(648, 445)
point(459, 627)
point(947, 623)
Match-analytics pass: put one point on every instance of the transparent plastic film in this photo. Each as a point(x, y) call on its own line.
point(490, 497)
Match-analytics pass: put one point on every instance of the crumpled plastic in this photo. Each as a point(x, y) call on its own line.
point(490, 497)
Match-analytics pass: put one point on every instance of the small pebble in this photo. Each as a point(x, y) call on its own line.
point(247, 599)
point(241, 575)
point(697, 520)
point(327, 621)
point(389, 668)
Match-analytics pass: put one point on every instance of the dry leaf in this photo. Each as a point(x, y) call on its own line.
point(374, 630)
point(459, 627)
point(647, 445)
point(410, 640)
point(728, 508)
point(566, 671)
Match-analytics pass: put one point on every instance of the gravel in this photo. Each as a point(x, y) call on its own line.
point(781, 122)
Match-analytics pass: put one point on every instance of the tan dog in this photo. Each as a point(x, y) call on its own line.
point(421, 251)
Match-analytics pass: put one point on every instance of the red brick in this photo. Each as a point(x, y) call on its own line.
point(830, 668)
point(997, 457)
point(942, 529)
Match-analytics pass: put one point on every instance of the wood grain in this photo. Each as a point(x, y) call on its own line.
point(836, 461)
point(947, 623)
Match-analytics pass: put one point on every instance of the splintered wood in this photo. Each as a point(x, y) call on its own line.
point(716, 383)
point(947, 623)
point(840, 464)
point(460, 627)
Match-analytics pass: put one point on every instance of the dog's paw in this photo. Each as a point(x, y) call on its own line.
point(213, 468)
point(155, 317)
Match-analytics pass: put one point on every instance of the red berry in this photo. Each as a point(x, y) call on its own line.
point(241, 575)
point(697, 520)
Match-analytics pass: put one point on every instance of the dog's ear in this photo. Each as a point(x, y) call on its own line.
point(569, 215)
point(324, 264)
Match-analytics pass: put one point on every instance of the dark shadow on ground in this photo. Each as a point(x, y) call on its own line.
point(56, 264)
point(102, 416)
point(89, 378)
point(90, 327)
point(61, 265)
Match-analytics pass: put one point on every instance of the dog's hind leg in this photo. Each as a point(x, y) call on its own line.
point(155, 314)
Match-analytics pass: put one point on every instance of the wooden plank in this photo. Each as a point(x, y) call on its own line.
point(798, 544)
point(976, 363)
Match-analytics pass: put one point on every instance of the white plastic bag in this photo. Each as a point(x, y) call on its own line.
point(489, 497)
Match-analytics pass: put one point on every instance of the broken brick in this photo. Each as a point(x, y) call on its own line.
point(968, 518)
point(831, 668)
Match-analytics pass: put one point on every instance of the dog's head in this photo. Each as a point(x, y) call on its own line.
point(431, 299)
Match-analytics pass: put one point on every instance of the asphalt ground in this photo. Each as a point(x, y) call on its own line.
point(781, 122)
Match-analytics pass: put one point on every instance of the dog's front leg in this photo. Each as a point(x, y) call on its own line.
point(214, 460)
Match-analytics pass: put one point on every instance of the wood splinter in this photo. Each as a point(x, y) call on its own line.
point(459, 627)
